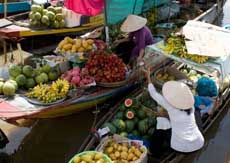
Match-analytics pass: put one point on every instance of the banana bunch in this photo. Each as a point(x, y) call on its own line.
point(50, 93)
point(176, 45)
point(198, 59)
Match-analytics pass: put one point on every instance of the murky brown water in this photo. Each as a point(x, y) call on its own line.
point(57, 140)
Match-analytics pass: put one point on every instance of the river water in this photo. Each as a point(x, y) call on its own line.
point(57, 140)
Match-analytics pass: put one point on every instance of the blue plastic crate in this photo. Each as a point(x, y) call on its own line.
point(15, 7)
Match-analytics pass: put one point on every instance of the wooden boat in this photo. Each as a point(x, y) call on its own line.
point(171, 156)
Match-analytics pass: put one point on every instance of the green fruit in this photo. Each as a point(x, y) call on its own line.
point(50, 15)
point(15, 70)
point(129, 125)
point(21, 80)
point(14, 83)
point(37, 16)
point(30, 83)
point(111, 127)
point(58, 10)
point(128, 102)
point(141, 113)
point(51, 8)
point(45, 77)
point(135, 120)
point(192, 73)
point(122, 107)
point(143, 126)
point(59, 17)
point(37, 71)
point(120, 124)
point(46, 68)
point(31, 15)
point(1, 86)
point(36, 8)
point(8, 89)
point(28, 71)
point(152, 121)
point(39, 79)
point(56, 24)
point(44, 12)
point(119, 115)
point(53, 75)
point(45, 19)
point(62, 23)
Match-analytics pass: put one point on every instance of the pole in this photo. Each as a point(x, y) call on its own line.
point(106, 24)
point(5, 8)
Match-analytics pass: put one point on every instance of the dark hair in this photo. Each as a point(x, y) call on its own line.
point(188, 111)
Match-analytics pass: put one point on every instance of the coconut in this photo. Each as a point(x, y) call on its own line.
point(8, 89)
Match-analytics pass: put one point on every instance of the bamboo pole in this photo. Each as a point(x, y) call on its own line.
point(4, 42)
point(5, 8)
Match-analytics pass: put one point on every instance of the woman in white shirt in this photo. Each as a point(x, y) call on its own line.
point(178, 100)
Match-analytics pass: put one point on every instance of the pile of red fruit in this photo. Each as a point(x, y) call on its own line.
point(106, 68)
point(78, 77)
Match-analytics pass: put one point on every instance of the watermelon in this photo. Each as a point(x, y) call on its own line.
point(122, 107)
point(130, 114)
point(135, 120)
point(124, 134)
point(152, 121)
point(143, 126)
point(129, 125)
point(119, 123)
point(111, 127)
point(128, 102)
point(141, 113)
point(119, 115)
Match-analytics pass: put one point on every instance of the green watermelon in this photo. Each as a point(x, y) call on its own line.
point(141, 113)
point(122, 107)
point(135, 120)
point(143, 126)
point(119, 123)
point(129, 125)
point(152, 121)
point(111, 127)
point(130, 114)
point(119, 115)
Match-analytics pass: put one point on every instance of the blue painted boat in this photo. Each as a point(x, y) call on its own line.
point(15, 7)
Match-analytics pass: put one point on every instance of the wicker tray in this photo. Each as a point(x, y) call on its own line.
point(113, 85)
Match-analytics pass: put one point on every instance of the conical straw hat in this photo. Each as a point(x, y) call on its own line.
point(178, 95)
point(133, 23)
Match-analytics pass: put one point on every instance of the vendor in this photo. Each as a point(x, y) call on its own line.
point(178, 100)
point(139, 37)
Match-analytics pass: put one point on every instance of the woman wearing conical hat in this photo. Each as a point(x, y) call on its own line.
point(178, 100)
point(139, 34)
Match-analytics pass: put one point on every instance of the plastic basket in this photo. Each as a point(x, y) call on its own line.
point(104, 156)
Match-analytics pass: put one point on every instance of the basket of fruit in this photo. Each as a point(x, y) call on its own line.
point(121, 149)
point(167, 74)
point(90, 156)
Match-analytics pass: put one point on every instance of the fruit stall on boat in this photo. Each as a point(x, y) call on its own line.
point(52, 89)
point(134, 117)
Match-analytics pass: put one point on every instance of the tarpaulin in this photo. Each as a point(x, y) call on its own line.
point(85, 7)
